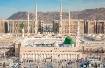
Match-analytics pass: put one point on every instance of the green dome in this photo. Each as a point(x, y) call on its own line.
point(69, 40)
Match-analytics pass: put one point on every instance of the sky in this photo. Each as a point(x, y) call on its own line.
point(8, 7)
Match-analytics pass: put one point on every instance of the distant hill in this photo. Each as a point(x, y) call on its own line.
point(46, 16)
point(97, 13)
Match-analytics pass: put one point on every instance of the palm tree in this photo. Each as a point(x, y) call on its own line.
point(4, 65)
point(21, 26)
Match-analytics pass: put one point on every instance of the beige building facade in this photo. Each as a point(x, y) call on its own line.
point(68, 28)
point(49, 53)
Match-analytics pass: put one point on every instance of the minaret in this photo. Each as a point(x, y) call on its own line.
point(28, 22)
point(78, 34)
point(60, 27)
point(36, 20)
point(69, 22)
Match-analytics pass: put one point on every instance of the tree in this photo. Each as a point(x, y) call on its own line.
point(21, 26)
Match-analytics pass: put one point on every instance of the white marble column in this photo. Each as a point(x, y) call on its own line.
point(8, 27)
point(28, 22)
point(88, 27)
point(36, 21)
point(13, 27)
point(23, 32)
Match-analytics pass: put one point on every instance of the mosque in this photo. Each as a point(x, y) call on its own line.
point(34, 43)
